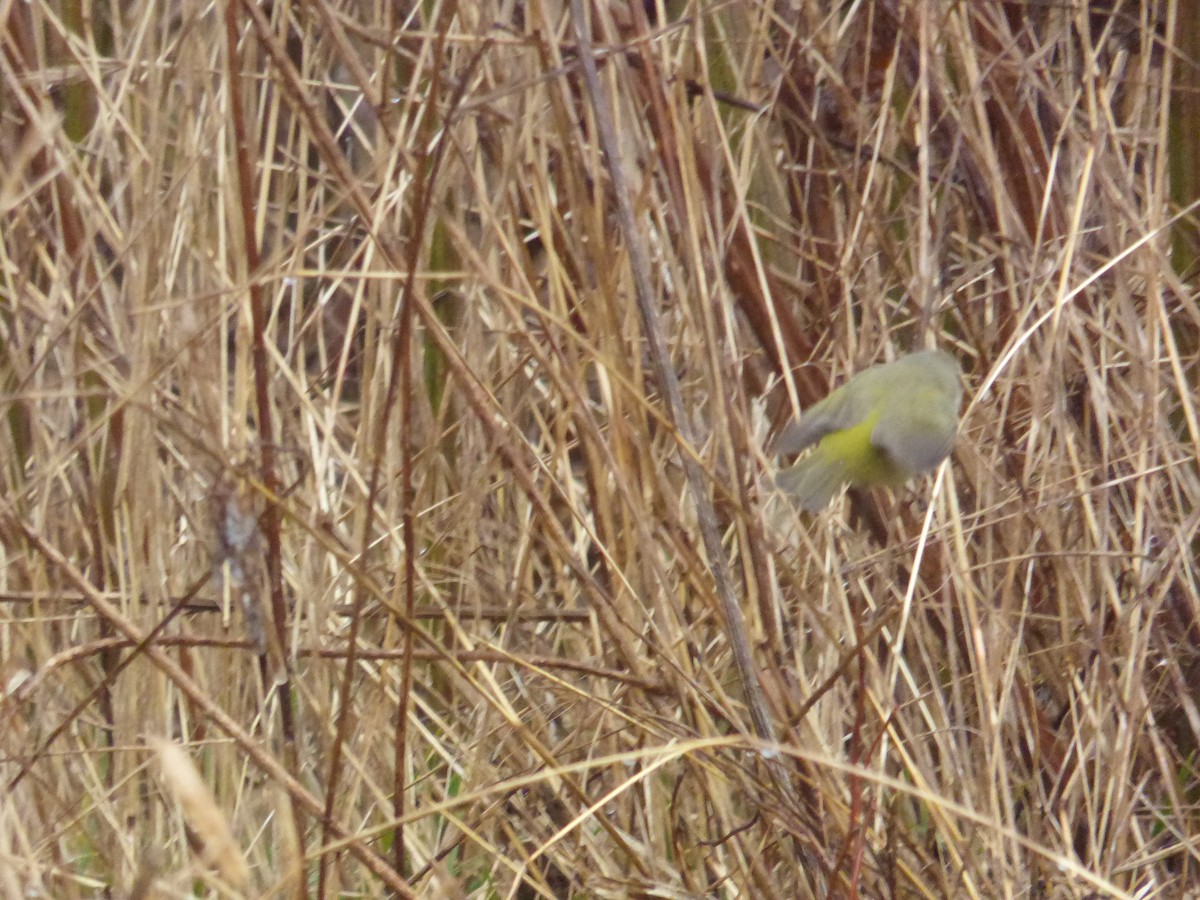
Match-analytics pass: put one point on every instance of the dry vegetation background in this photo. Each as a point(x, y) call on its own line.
point(350, 546)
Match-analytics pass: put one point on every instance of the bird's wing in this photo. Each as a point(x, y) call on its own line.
point(845, 407)
point(805, 431)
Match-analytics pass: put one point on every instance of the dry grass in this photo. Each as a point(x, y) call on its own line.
point(335, 455)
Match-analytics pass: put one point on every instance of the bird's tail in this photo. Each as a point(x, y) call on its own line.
point(813, 481)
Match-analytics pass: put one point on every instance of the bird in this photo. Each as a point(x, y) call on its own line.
point(886, 425)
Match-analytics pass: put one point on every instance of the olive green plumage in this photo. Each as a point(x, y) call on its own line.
point(885, 425)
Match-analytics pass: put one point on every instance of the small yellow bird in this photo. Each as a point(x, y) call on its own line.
point(885, 425)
